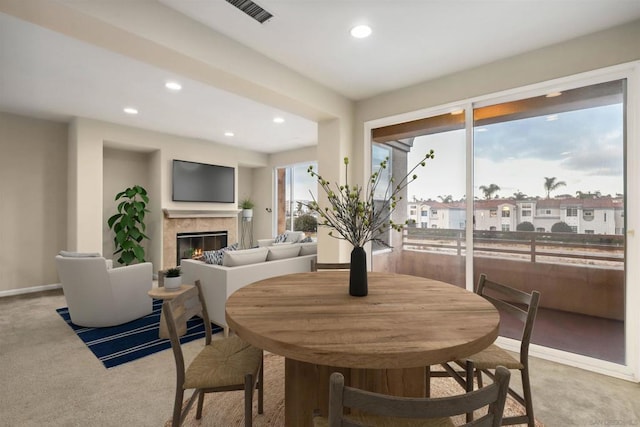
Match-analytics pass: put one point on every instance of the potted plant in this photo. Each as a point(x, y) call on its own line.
point(172, 279)
point(247, 208)
point(357, 217)
point(129, 226)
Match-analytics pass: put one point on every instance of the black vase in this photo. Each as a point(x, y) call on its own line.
point(358, 286)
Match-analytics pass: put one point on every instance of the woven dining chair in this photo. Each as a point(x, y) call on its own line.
point(521, 307)
point(222, 365)
point(375, 409)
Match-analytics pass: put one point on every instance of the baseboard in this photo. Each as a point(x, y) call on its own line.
point(21, 291)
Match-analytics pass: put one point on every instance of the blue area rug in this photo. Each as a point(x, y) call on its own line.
point(139, 338)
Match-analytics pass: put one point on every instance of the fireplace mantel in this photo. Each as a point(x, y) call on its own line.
point(186, 213)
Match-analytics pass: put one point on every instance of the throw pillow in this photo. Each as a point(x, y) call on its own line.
point(79, 254)
point(244, 257)
point(216, 257)
point(307, 239)
point(283, 251)
point(294, 236)
point(308, 248)
point(280, 238)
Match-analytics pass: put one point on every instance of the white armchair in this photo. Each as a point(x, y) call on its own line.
point(99, 296)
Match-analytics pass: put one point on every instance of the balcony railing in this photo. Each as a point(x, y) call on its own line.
point(589, 249)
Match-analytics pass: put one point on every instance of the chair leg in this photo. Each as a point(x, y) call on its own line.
point(248, 400)
point(177, 407)
point(200, 404)
point(469, 368)
point(526, 391)
point(479, 377)
point(261, 389)
point(427, 381)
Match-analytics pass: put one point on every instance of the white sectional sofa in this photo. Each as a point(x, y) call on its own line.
point(243, 267)
point(289, 237)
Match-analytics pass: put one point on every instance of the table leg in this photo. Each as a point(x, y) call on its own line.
point(164, 331)
point(307, 387)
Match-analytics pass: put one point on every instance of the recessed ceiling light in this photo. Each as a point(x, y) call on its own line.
point(228, 134)
point(278, 120)
point(553, 94)
point(174, 86)
point(457, 112)
point(361, 31)
point(552, 117)
point(130, 110)
point(481, 129)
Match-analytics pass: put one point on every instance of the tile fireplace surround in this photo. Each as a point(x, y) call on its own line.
point(175, 222)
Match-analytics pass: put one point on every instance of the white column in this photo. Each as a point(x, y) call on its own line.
point(85, 189)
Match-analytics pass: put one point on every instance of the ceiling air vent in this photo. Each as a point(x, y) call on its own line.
point(252, 9)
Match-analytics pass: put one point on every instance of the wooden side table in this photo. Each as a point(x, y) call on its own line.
point(164, 294)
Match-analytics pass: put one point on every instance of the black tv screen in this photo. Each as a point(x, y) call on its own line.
point(200, 182)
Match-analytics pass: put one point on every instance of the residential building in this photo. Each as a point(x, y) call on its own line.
point(604, 215)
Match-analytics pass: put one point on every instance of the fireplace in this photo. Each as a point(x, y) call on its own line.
point(192, 244)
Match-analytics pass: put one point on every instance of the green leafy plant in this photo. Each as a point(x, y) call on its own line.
point(354, 214)
point(128, 224)
point(247, 204)
point(172, 272)
point(306, 222)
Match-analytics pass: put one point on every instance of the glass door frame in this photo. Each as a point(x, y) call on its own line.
point(631, 72)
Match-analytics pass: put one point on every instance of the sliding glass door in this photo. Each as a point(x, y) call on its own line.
point(549, 205)
point(433, 243)
point(534, 187)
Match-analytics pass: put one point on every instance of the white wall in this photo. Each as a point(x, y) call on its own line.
point(610, 47)
point(33, 200)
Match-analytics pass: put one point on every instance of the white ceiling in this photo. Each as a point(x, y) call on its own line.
point(50, 75)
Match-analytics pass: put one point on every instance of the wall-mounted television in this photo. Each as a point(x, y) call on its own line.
point(200, 182)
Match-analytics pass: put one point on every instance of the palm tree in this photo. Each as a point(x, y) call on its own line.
point(446, 199)
point(489, 191)
point(520, 195)
point(550, 184)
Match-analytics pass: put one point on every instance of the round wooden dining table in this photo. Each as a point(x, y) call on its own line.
point(382, 342)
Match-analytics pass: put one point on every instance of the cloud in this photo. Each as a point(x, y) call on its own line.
point(592, 139)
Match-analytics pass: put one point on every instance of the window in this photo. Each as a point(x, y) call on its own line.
point(434, 212)
point(588, 231)
point(572, 211)
point(493, 213)
point(379, 153)
point(294, 188)
point(526, 212)
point(505, 227)
point(540, 229)
point(424, 213)
point(574, 229)
point(506, 213)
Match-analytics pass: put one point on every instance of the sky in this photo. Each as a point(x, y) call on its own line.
point(583, 148)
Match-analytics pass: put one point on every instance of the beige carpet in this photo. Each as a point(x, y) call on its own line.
point(226, 409)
